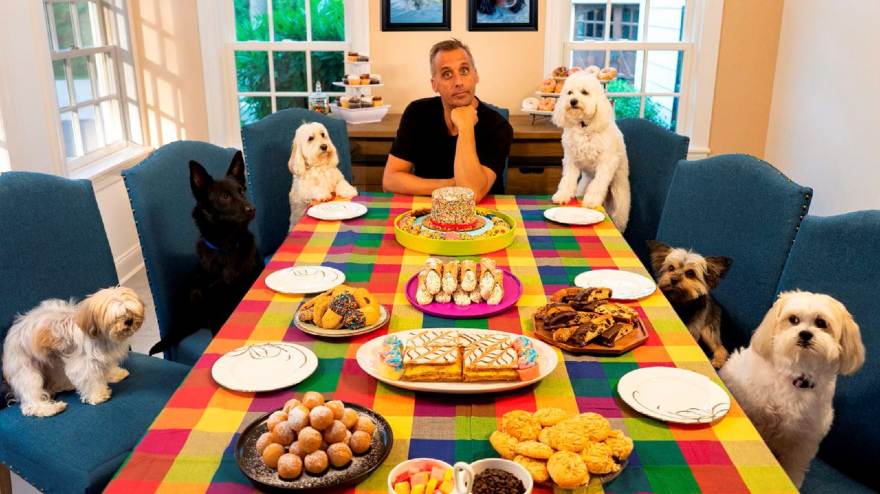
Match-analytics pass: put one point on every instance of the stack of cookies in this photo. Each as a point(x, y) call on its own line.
point(554, 445)
point(579, 316)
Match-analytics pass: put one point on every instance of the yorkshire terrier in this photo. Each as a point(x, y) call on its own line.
point(686, 278)
point(61, 345)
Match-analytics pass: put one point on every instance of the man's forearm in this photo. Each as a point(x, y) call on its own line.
point(468, 170)
point(407, 183)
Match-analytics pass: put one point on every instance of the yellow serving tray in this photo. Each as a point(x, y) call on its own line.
point(455, 247)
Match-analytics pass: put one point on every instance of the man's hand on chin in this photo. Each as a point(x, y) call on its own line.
point(464, 116)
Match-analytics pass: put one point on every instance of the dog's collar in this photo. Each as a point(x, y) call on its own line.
point(210, 245)
point(803, 382)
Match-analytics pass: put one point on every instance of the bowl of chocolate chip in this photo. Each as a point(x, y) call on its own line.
point(492, 476)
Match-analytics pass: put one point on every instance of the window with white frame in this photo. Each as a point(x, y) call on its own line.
point(85, 39)
point(283, 49)
point(649, 42)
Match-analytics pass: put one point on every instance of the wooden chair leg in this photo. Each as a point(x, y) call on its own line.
point(5, 480)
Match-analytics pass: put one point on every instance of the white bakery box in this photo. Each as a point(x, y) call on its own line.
point(369, 114)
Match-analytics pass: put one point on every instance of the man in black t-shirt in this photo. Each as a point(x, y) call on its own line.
point(449, 139)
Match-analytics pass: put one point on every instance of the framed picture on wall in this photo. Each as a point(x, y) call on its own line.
point(502, 15)
point(415, 15)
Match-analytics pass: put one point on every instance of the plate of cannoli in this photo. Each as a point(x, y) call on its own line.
point(453, 360)
point(464, 289)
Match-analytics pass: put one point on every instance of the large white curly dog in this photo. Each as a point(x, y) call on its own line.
point(313, 163)
point(593, 148)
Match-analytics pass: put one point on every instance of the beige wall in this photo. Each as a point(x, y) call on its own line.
point(824, 118)
point(165, 34)
point(744, 79)
point(510, 63)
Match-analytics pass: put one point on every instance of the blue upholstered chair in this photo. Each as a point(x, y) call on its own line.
point(54, 246)
point(653, 152)
point(837, 255)
point(162, 203)
point(267, 145)
point(740, 207)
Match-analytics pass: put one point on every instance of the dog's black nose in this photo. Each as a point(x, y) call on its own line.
point(805, 336)
point(574, 102)
point(323, 147)
point(674, 280)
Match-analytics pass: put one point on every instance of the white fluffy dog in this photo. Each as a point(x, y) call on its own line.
point(785, 380)
point(59, 346)
point(313, 161)
point(593, 148)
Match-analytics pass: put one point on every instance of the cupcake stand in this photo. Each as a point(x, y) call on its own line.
point(363, 92)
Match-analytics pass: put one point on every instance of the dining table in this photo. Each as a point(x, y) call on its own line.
point(189, 448)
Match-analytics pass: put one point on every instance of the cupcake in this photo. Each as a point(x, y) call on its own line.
point(377, 101)
point(354, 102)
point(354, 80)
point(547, 86)
point(343, 101)
point(365, 79)
point(530, 104)
point(352, 56)
point(363, 58)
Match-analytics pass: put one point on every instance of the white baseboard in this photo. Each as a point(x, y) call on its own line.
point(129, 263)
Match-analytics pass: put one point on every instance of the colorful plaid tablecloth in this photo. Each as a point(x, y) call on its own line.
point(189, 447)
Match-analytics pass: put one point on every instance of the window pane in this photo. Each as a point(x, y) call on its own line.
point(251, 20)
point(251, 109)
point(63, 26)
point(625, 21)
point(106, 75)
point(625, 106)
point(88, 126)
point(89, 27)
point(662, 110)
point(328, 23)
point(666, 20)
point(82, 83)
point(589, 21)
point(290, 70)
point(252, 70)
point(585, 58)
point(290, 19)
point(664, 72)
point(629, 65)
point(67, 131)
point(282, 103)
point(61, 83)
point(327, 67)
point(112, 118)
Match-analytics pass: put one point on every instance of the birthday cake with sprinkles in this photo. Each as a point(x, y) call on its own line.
point(453, 209)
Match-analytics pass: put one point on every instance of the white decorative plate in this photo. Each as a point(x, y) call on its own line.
point(337, 210)
point(369, 359)
point(312, 329)
point(676, 395)
point(624, 285)
point(264, 367)
point(305, 279)
point(571, 215)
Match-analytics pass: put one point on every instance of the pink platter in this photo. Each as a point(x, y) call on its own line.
point(512, 291)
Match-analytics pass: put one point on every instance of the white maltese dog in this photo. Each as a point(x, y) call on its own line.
point(59, 346)
point(316, 178)
point(785, 380)
point(593, 148)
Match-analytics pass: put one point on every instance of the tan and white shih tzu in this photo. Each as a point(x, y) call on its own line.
point(785, 379)
point(61, 346)
point(594, 159)
point(313, 163)
point(687, 279)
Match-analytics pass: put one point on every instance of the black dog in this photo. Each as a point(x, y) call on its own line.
point(228, 258)
point(488, 6)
